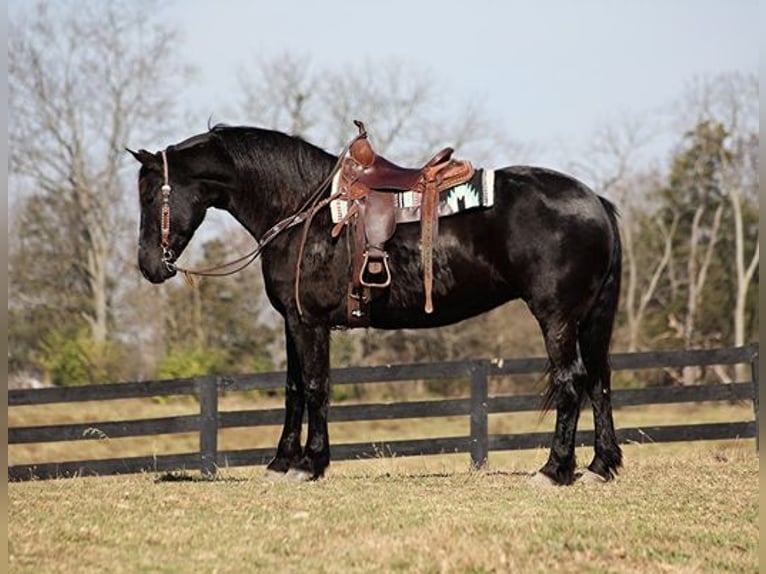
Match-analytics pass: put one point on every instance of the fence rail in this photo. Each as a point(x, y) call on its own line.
point(479, 442)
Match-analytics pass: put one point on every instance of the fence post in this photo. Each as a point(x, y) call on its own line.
point(207, 391)
point(479, 418)
point(754, 372)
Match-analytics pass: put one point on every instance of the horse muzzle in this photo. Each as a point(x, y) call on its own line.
point(156, 269)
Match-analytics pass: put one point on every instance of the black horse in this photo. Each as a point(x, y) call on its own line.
point(547, 239)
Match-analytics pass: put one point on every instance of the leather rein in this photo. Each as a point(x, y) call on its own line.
point(305, 213)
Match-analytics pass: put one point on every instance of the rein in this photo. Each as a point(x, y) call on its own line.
point(305, 213)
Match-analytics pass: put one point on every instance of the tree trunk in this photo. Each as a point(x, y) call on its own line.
point(99, 315)
point(744, 276)
point(697, 273)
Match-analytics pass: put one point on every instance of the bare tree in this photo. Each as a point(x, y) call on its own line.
point(617, 169)
point(745, 269)
point(84, 77)
point(281, 94)
point(404, 108)
point(730, 102)
point(738, 97)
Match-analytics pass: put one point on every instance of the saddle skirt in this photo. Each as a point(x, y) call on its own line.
point(477, 193)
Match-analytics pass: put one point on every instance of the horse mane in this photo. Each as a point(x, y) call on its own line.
point(271, 160)
point(191, 142)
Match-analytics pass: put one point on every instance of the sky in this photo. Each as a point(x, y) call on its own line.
point(549, 72)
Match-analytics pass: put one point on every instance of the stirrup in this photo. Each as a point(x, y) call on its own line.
point(387, 278)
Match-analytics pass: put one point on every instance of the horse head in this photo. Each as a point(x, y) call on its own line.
point(176, 187)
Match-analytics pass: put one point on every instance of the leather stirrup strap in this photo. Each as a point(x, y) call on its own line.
point(358, 296)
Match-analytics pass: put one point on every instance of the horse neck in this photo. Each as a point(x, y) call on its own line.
point(278, 187)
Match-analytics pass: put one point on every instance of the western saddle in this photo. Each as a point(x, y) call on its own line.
point(368, 183)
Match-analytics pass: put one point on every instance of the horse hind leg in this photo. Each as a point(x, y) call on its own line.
point(566, 391)
point(594, 336)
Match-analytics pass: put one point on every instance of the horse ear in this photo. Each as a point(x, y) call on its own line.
point(143, 156)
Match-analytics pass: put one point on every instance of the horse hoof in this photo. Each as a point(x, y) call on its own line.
point(273, 476)
point(590, 477)
point(297, 475)
point(540, 480)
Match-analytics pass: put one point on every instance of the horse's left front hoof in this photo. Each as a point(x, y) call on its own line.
point(279, 465)
point(558, 474)
point(305, 470)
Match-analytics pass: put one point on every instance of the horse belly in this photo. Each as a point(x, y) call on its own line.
point(463, 287)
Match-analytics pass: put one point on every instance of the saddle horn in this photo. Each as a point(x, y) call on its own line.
point(360, 149)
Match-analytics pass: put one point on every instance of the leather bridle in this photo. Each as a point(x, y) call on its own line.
point(168, 257)
point(305, 213)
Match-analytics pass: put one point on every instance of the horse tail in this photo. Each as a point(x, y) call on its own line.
point(595, 333)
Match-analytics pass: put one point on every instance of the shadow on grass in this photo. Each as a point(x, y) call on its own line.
point(180, 476)
point(415, 475)
point(183, 476)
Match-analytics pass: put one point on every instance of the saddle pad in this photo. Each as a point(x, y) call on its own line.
point(478, 192)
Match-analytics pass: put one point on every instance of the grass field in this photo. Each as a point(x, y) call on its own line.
point(683, 507)
point(693, 509)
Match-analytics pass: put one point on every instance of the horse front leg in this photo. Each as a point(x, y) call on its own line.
point(289, 450)
point(312, 347)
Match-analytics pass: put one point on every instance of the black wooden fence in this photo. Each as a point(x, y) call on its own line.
point(209, 419)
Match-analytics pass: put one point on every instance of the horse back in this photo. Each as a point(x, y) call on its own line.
point(548, 237)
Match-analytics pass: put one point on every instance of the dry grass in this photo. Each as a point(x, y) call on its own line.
point(688, 510)
point(684, 507)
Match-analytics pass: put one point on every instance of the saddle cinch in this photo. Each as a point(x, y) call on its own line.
point(369, 183)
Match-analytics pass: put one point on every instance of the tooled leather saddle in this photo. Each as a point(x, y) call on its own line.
point(368, 183)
